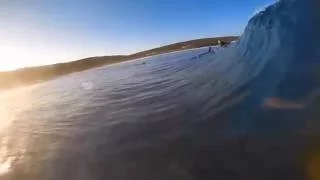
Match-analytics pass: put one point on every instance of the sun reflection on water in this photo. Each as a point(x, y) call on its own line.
point(5, 166)
point(11, 144)
point(5, 160)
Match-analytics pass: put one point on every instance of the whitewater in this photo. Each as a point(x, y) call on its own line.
point(248, 111)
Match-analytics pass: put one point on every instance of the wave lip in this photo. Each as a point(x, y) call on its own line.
point(280, 46)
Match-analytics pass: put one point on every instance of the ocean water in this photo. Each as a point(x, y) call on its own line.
point(248, 111)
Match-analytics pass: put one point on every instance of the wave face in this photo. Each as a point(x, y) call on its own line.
point(285, 38)
point(249, 111)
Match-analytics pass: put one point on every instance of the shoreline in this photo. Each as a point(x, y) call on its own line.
point(34, 75)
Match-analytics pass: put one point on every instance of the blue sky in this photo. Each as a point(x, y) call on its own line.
point(36, 32)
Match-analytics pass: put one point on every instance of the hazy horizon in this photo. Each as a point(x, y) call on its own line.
point(35, 32)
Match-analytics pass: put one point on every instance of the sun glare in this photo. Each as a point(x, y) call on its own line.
point(12, 57)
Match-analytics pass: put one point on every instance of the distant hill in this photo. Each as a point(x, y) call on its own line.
point(197, 43)
point(32, 75)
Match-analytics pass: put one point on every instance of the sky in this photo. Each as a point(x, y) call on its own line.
point(39, 32)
